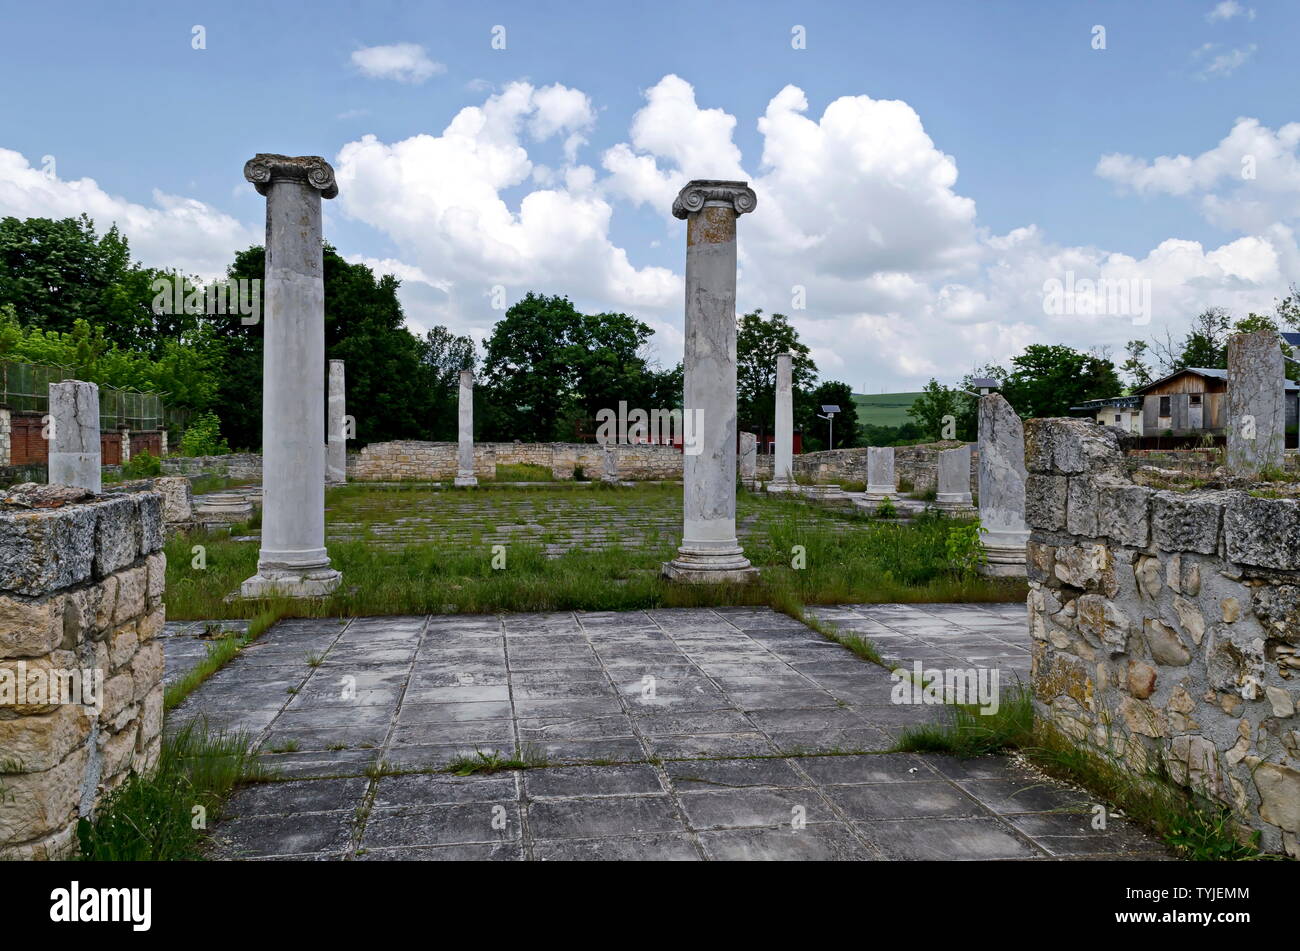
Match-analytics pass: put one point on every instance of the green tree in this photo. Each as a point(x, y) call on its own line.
point(936, 410)
point(815, 429)
point(758, 341)
point(1046, 380)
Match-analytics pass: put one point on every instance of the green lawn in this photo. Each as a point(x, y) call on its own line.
point(412, 549)
point(884, 409)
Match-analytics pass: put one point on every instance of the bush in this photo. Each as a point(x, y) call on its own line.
point(142, 465)
point(203, 437)
point(965, 553)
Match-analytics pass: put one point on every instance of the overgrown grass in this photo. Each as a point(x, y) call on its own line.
point(204, 484)
point(1194, 827)
point(523, 472)
point(847, 558)
point(220, 652)
point(967, 732)
point(152, 818)
point(494, 761)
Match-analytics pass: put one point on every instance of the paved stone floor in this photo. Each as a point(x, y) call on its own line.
point(731, 733)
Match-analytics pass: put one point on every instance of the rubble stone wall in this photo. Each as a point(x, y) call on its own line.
point(1165, 624)
point(918, 465)
point(81, 602)
point(415, 460)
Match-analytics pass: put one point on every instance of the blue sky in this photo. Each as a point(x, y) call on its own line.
point(910, 272)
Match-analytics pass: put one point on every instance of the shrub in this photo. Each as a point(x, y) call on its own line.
point(965, 553)
point(203, 437)
point(142, 465)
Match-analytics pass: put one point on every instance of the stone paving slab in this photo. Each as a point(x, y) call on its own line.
point(674, 734)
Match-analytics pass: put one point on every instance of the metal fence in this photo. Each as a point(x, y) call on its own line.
point(25, 388)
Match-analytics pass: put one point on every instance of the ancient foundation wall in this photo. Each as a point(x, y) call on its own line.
point(1166, 624)
point(397, 461)
point(81, 695)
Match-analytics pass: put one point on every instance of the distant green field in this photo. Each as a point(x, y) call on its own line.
point(884, 409)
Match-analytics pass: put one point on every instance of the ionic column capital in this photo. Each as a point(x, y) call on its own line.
point(707, 191)
point(266, 168)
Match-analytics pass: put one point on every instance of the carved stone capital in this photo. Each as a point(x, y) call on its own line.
point(704, 191)
point(264, 168)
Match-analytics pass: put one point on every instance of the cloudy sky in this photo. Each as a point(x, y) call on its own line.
point(924, 170)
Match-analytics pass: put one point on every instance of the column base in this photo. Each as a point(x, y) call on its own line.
point(465, 481)
point(956, 504)
point(229, 510)
point(269, 583)
point(880, 493)
point(776, 488)
point(694, 566)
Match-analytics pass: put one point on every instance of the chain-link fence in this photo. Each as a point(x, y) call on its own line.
point(25, 388)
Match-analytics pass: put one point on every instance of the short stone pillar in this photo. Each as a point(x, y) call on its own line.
point(74, 435)
point(1002, 487)
point(81, 664)
point(1256, 403)
point(6, 437)
point(881, 485)
point(749, 460)
point(336, 462)
point(953, 495)
point(465, 430)
point(125, 435)
point(293, 561)
point(162, 443)
point(783, 447)
point(609, 464)
point(710, 551)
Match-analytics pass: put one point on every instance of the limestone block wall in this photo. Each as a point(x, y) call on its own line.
point(177, 496)
point(81, 605)
point(409, 459)
point(235, 465)
point(1166, 624)
point(916, 464)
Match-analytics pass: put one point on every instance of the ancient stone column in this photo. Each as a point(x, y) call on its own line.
point(880, 474)
point(465, 433)
point(1256, 425)
point(293, 560)
point(748, 460)
point(710, 550)
point(6, 436)
point(953, 493)
point(336, 463)
point(783, 449)
point(74, 435)
point(1002, 487)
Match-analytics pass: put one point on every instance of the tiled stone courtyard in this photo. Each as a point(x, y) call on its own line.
point(728, 733)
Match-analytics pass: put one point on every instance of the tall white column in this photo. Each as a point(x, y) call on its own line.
point(465, 434)
point(710, 551)
point(74, 435)
point(783, 450)
point(336, 464)
point(293, 560)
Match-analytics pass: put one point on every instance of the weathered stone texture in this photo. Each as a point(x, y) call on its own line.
point(1166, 625)
point(81, 588)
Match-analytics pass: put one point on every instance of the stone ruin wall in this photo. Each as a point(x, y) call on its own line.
point(1165, 625)
point(81, 588)
point(414, 460)
point(916, 464)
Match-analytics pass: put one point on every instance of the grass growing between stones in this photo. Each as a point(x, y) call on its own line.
point(152, 818)
point(220, 652)
point(522, 472)
point(1196, 829)
point(413, 550)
